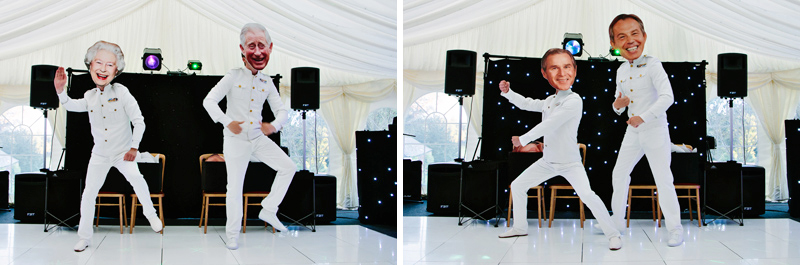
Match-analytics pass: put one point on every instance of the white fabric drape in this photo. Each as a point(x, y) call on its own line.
point(677, 31)
point(425, 20)
point(774, 97)
point(765, 26)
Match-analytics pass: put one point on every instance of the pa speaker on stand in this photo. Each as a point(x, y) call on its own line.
point(43, 93)
point(459, 81)
point(732, 75)
point(459, 74)
point(305, 88)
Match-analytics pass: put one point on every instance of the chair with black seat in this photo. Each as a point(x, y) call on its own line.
point(208, 191)
point(554, 188)
point(154, 193)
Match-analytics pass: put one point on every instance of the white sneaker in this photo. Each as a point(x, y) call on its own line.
point(81, 245)
point(155, 223)
point(615, 243)
point(675, 238)
point(272, 219)
point(512, 233)
point(232, 244)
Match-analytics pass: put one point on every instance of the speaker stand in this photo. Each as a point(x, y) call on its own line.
point(313, 213)
point(461, 108)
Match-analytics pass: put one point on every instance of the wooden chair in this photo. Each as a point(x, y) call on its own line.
point(556, 187)
point(160, 195)
point(207, 197)
point(539, 202)
point(123, 215)
point(689, 187)
point(653, 196)
point(247, 196)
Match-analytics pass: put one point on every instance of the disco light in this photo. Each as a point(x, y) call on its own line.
point(195, 65)
point(573, 42)
point(151, 60)
point(613, 52)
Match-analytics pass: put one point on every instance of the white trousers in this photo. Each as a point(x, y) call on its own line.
point(575, 174)
point(238, 153)
point(655, 143)
point(95, 177)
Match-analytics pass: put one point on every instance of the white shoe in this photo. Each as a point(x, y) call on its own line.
point(272, 219)
point(81, 245)
point(155, 223)
point(615, 243)
point(675, 238)
point(232, 244)
point(512, 233)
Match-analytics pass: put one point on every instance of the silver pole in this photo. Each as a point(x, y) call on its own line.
point(730, 111)
point(304, 140)
point(44, 154)
point(461, 104)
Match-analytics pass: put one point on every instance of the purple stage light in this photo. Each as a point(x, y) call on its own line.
point(151, 59)
point(152, 62)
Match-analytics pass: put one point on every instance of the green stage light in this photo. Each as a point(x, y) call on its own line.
point(613, 52)
point(194, 65)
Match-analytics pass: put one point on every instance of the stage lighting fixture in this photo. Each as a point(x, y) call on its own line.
point(573, 42)
point(612, 51)
point(151, 60)
point(195, 65)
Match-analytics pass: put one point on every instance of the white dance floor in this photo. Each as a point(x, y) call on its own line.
point(439, 240)
point(27, 244)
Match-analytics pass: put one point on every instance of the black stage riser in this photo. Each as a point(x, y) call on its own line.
point(377, 176)
point(793, 165)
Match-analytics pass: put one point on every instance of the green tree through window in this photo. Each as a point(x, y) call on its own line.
point(22, 134)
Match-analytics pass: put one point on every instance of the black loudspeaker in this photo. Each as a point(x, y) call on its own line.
point(443, 183)
point(412, 180)
point(459, 75)
point(480, 189)
point(298, 204)
point(29, 197)
point(4, 189)
point(753, 194)
point(325, 186)
point(43, 93)
point(732, 75)
point(793, 165)
point(723, 187)
point(305, 88)
point(63, 200)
